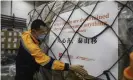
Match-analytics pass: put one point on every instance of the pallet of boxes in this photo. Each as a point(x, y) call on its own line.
point(9, 43)
point(9, 48)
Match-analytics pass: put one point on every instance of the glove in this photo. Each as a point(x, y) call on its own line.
point(86, 77)
point(77, 72)
point(79, 69)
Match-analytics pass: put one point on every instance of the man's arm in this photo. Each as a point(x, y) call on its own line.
point(48, 62)
point(40, 57)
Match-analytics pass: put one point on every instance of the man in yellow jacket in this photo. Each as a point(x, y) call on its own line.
point(30, 57)
point(128, 72)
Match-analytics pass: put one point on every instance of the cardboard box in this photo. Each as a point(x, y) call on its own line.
point(9, 39)
point(3, 42)
point(3, 33)
point(15, 33)
point(15, 45)
point(9, 45)
point(15, 39)
point(2, 45)
point(10, 33)
point(9, 51)
point(12, 45)
point(2, 51)
point(14, 52)
point(18, 45)
point(12, 39)
point(3, 39)
point(19, 34)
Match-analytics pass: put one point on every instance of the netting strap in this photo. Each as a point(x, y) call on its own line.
point(41, 11)
point(125, 5)
point(112, 75)
point(49, 31)
point(31, 17)
point(34, 10)
point(43, 40)
point(52, 26)
point(115, 32)
point(106, 74)
point(62, 29)
point(118, 38)
point(62, 43)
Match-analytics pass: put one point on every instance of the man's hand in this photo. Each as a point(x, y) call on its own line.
point(79, 69)
point(81, 72)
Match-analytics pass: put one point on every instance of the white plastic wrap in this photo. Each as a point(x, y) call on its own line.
point(125, 22)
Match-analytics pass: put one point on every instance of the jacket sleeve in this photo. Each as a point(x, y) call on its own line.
point(40, 57)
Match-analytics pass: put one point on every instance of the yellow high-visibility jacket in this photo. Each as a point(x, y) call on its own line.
point(30, 57)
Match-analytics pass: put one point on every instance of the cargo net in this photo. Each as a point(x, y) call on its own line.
point(125, 27)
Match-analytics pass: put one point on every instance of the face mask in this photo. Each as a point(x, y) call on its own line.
point(41, 37)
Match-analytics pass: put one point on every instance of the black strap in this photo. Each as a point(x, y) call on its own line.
point(106, 74)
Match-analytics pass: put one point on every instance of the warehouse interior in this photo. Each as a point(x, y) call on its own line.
point(67, 38)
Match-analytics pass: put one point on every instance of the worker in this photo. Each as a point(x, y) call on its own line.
point(128, 72)
point(30, 57)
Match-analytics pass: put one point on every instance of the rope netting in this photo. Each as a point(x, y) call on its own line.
point(125, 43)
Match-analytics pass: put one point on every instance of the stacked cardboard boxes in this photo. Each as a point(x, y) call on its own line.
point(3, 39)
point(10, 40)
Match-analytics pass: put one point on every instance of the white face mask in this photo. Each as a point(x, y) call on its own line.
point(41, 37)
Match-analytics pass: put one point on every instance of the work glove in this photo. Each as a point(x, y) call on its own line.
point(86, 77)
point(79, 73)
point(79, 69)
